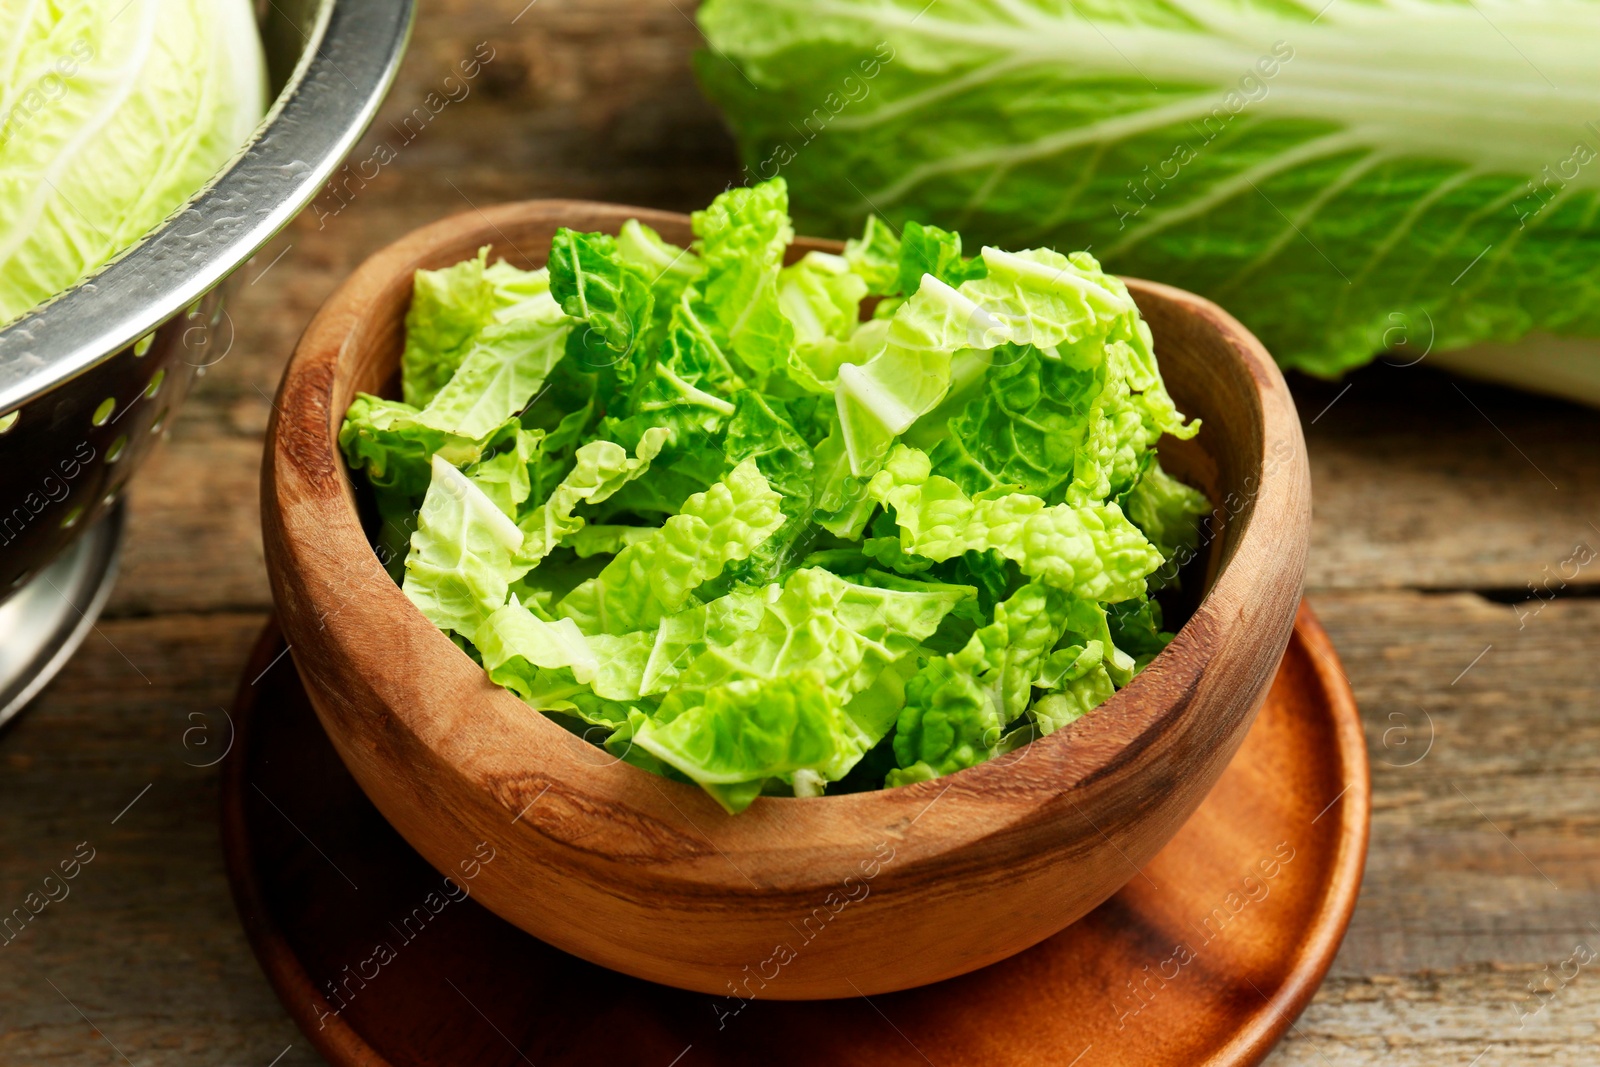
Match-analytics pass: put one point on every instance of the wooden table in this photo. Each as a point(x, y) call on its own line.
point(1437, 503)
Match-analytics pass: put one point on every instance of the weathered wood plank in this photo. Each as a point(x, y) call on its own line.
point(145, 941)
point(1425, 481)
point(1484, 825)
point(1469, 1017)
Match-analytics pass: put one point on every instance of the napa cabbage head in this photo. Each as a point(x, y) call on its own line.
point(112, 114)
point(1346, 176)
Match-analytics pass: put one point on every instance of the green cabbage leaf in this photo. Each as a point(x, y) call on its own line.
point(1346, 178)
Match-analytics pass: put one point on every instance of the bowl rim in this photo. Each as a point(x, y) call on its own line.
point(346, 66)
point(310, 519)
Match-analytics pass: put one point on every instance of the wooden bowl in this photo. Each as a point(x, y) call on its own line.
point(794, 898)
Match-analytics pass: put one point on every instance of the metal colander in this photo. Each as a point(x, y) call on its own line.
point(90, 380)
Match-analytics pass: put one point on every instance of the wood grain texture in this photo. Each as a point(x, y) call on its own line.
point(1203, 958)
point(649, 876)
point(1419, 502)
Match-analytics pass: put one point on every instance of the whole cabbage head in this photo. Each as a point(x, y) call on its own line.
point(112, 114)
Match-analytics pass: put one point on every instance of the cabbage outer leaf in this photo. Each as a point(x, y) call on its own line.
point(1345, 177)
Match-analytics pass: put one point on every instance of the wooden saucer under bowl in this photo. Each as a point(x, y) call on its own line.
point(1205, 957)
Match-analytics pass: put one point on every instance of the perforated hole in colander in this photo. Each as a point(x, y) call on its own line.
point(102, 414)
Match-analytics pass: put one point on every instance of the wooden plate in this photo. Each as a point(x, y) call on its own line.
point(1205, 957)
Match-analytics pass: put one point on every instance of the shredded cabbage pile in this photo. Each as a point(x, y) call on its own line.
point(852, 522)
